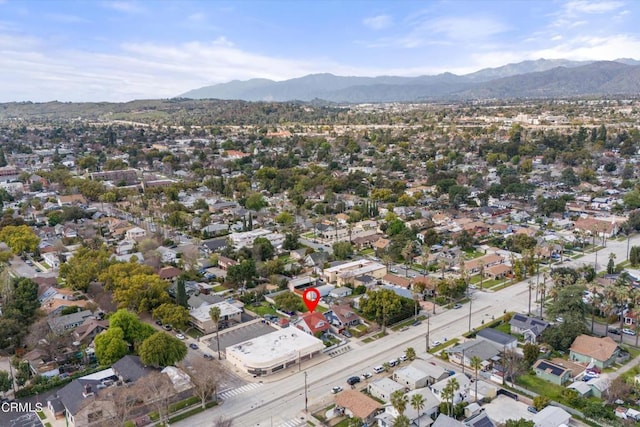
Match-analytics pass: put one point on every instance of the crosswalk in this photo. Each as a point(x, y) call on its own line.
point(293, 422)
point(225, 394)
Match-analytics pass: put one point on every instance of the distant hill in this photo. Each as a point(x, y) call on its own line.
point(540, 78)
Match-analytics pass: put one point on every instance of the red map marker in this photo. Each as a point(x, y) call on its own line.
point(311, 298)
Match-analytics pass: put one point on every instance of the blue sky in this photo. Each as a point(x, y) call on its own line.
point(123, 50)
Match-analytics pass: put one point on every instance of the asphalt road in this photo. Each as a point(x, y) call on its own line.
point(282, 401)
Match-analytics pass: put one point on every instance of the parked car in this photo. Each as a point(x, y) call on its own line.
point(346, 333)
point(167, 327)
point(456, 306)
point(628, 331)
point(337, 389)
point(367, 375)
point(614, 331)
point(532, 410)
point(159, 322)
point(193, 346)
point(353, 380)
point(180, 336)
point(378, 369)
point(208, 356)
point(403, 358)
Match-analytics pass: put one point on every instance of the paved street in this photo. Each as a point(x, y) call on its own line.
point(279, 402)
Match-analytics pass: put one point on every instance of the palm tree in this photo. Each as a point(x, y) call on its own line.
point(399, 401)
point(417, 403)
point(530, 286)
point(355, 422)
point(214, 312)
point(596, 300)
point(402, 421)
point(451, 388)
point(481, 274)
point(476, 364)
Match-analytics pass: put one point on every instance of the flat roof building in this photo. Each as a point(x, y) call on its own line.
point(273, 352)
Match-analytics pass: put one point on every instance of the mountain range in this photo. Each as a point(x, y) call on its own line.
point(541, 78)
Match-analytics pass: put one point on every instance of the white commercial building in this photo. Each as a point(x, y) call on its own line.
point(274, 351)
point(345, 273)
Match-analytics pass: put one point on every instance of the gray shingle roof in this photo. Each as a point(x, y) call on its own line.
point(130, 368)
point(496, 336)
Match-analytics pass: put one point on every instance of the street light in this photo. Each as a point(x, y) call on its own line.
point(427, 337)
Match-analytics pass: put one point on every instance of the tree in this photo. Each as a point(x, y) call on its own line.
point(410, 353)
point(141, 292)
point(417, 403)
point(448, 393)
point(284, 218)
point(22, 302)
point(531, 352)
point(255, 201)
point(158, 391)
point(110, 346)
point(84, 267)
point(399, 401)
point(342, 250)
point(161, 350)
point(511, 361)
point(263, 249)
point(5, 381)
point(476, 365)
point(205, 378)
point(20, 239)
point(611, 265)
point(618, 389)
point(223, 422)
point(288, 302)
point(634, 256)
point(214, 313)
point(402, 421)
point(172, 314)
point(381, 305)
point(181, 293)
point(540, 402)
point(519, 423)
point(135, 331)
point(290, 242)
point(241, 274)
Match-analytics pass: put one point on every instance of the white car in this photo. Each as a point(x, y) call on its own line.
point(628, 331)
point(180, 336)
point(435, 343)
point(337, 389)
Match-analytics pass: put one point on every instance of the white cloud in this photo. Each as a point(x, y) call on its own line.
point(585, 6)
point(66, 18)
point(379, 22)
point(466, 28)
point(129, 7)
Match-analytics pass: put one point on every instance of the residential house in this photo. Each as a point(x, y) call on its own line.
point(460, 395)
point(167, 255)
point(446, 421)
point(357, 405)
point(62, 324)
point(52, 259)
point(528, 326)
point(462, 353)
point(551, 372)
point(479, 419)
point(600, 352)
point(201, 319)
point(224, 263)
point(169, 273)
point(383, 388)
point(313, 323)
point(72, 199)
point(87, 331)
point(343, 316)
point(417, 419)
point(552, 416)
point(498, 339)
point(125, 247)
point(135, 233)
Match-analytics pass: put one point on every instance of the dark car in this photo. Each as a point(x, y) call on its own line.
point(208, 356)
point(614, 331)
point(159, 322)
point(167, 327)
point(353, 380)
point(346, 333)
point(193, 346)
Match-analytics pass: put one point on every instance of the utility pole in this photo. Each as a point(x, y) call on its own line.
point(427, 337)
point(305, 392)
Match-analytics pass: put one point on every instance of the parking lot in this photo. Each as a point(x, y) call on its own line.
point(238, 335)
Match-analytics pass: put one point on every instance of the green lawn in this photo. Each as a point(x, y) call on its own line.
point(540, 386)
point(219, 288)
point(264, 308)
point(472, 254)
point(504, 327)
point(444, 345)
